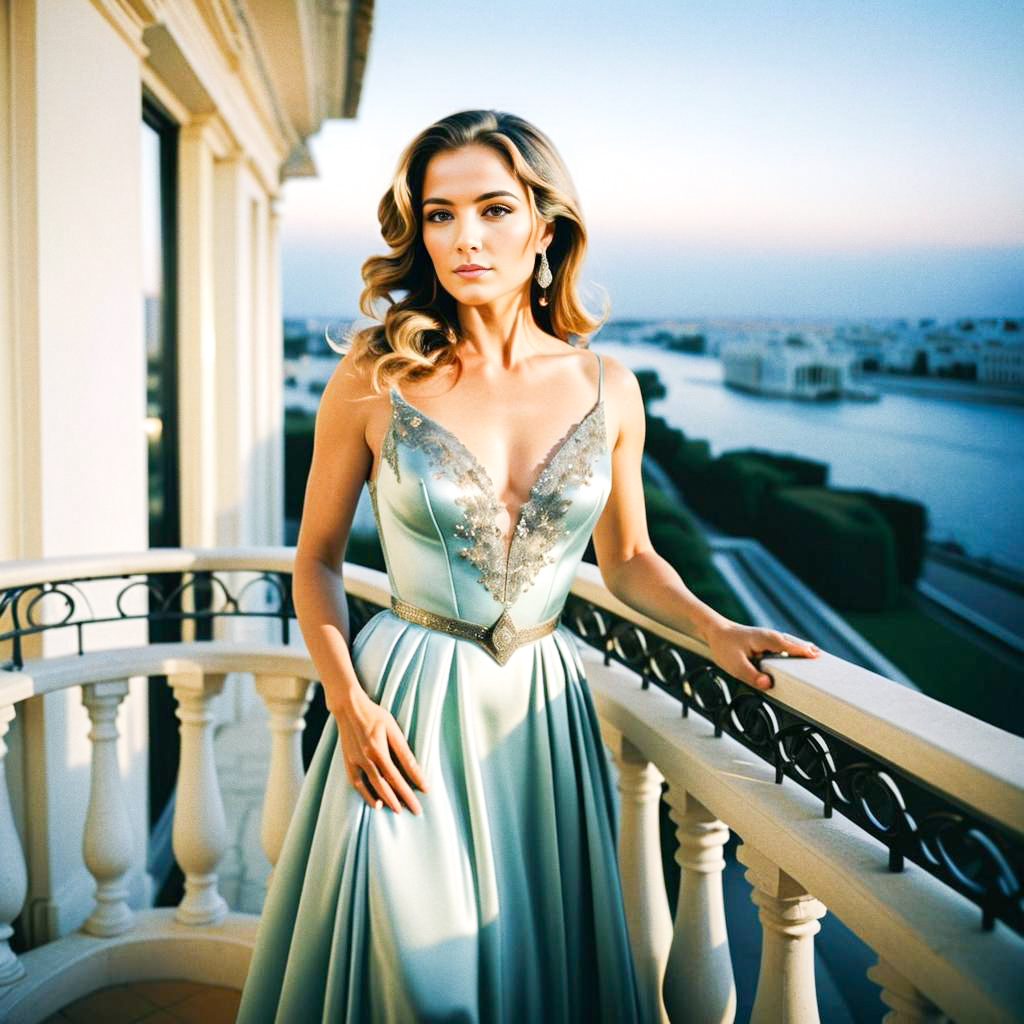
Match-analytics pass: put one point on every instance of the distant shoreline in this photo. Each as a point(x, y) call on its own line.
point(955, 390)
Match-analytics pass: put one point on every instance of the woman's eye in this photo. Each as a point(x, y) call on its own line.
point(435, 219)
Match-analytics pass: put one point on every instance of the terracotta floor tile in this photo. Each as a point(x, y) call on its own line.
point(161, 1017)
point(214, 1005)
point(166, 991)
point(115, 1004)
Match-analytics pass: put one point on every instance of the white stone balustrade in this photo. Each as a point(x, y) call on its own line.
point(107, 848)
point(935, 961)
point(906, 1002)
point(200, 834)
point(643, 878)
point(13, 876)
point(286, 698)
point(789, 921)
point(699, 983)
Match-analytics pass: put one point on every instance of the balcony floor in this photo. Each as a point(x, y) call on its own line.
point(155, 1002)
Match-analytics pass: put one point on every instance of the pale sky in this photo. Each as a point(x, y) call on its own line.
point(840, 158)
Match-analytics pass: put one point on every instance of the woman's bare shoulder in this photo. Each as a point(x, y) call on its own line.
point(619, 380)
point(622, 398)
point(349, 399)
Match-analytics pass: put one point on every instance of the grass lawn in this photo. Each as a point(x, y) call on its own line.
point(945, 662)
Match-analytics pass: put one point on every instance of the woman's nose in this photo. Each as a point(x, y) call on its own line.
point(467, 237)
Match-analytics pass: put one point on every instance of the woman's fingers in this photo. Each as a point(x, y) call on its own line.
point(405, 790)
point(386, 779)
point(380, 786)
point(364, 792)
point(739, 649)
point(776, 642)
point(367, 735)
point(793, 645)
point(754, 675)
point(398, 782)
point(405, 755)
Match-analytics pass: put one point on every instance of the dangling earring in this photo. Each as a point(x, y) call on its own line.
point(544, 276)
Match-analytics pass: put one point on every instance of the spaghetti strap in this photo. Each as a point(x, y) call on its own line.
point(600, 376)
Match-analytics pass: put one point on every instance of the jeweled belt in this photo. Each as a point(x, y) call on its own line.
point(499, 639)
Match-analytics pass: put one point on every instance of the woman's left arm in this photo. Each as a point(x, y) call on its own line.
point(638, 576)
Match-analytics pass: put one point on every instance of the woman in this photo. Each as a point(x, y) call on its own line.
point(452, 853)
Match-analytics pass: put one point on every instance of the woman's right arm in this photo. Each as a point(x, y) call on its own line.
point(368, 733)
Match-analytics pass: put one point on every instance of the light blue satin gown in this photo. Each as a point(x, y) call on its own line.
point(502, 902)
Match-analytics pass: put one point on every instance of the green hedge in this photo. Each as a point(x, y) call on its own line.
point(908, 521)
point(804, 472)
point(298, 454)
point(683, 459)
point(678, 538)
point(364, 549)
point(733, 489)
point(838, 544)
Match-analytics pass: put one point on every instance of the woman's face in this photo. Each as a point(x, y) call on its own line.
point(476, 212)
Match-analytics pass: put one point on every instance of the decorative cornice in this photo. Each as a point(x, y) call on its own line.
point(361, 24)
point(129, 18)
point(222, 19)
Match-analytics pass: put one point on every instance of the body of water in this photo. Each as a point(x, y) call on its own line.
point(964, 460)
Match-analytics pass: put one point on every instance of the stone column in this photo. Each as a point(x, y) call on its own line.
point(699, 982)
point(107, 842)
point(199, 834)
point(907, 1004)
point(786, 992)
point(643, 880)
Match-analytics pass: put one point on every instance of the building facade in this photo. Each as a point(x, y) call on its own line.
point(145, 147)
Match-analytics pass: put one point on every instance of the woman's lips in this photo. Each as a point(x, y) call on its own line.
point(479, 272)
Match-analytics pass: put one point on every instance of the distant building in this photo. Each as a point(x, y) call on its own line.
point(796, 366)
point(1001, 364)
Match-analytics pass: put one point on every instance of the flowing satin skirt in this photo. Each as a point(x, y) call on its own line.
point(502, 902)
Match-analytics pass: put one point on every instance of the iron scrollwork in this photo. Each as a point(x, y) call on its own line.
point(199, 597)
point(979, 859)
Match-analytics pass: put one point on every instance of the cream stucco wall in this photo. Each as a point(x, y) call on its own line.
point(72, 354)
point(74, 334)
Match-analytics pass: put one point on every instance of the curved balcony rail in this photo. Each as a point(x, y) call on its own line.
point(850, 793)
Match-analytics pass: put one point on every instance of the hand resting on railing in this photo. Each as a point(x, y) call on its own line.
point(738, 649)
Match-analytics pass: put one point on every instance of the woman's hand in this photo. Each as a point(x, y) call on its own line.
point(733, 646)
point(369, 735)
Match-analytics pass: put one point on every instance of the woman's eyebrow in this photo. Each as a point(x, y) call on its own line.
point(479, 199)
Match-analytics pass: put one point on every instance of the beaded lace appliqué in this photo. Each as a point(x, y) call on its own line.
point(541, 516)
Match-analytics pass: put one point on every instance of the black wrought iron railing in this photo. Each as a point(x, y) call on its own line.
point(956, 843)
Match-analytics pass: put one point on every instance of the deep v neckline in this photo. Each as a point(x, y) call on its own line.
point(508, 539)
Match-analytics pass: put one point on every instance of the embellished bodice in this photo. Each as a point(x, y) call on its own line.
point(437, 515)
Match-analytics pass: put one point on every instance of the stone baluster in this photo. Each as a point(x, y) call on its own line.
point(107, 841)
point(699, 984)
point(907, 1004)
point(13, 874)
point(643, 880)
point(789, 915)
point(286, 699)
point(200, 834)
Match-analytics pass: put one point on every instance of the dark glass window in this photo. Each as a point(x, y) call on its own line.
point(158, 137)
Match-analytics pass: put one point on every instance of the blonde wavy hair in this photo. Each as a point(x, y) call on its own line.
point(418, 333)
